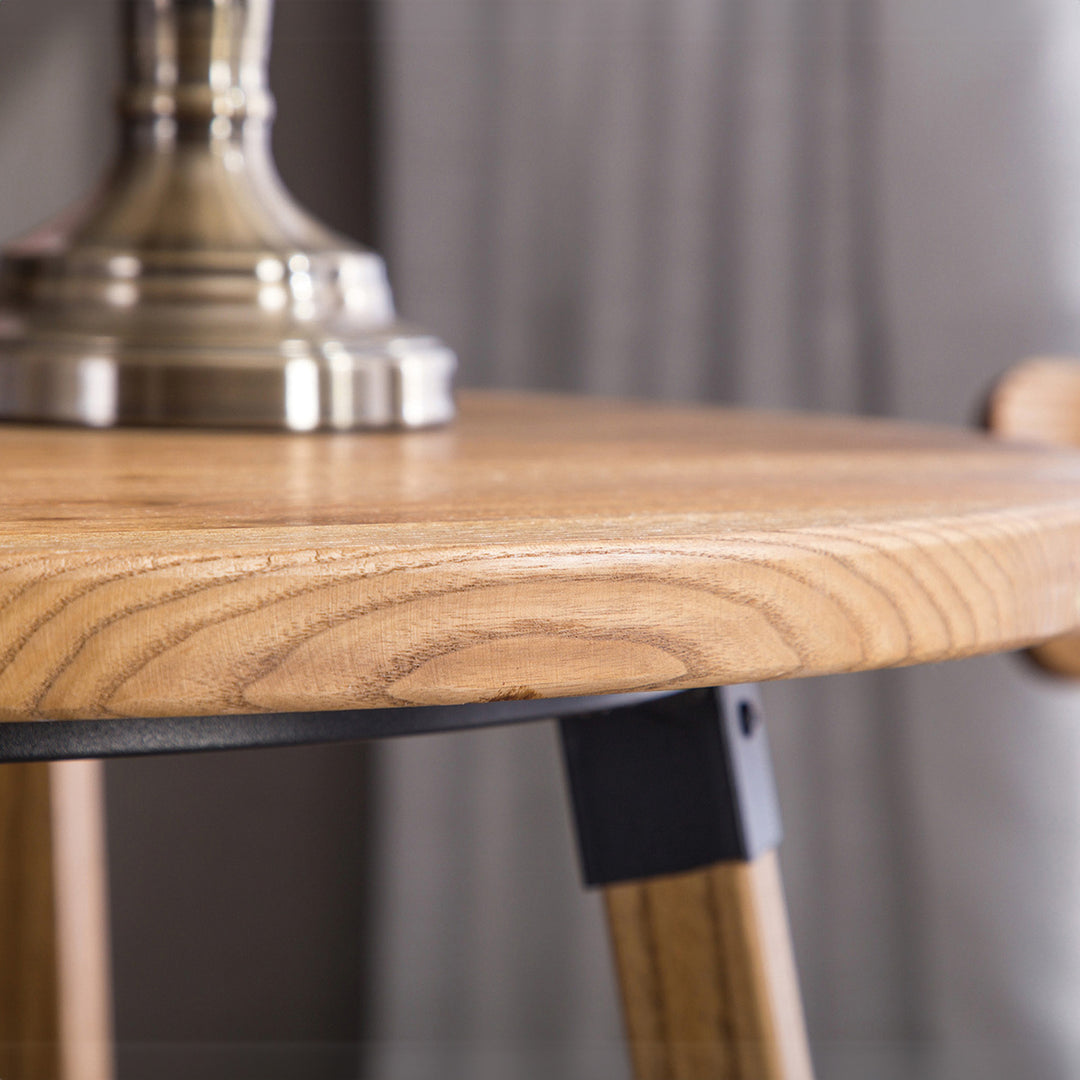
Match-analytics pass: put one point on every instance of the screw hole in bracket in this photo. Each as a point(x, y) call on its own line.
point(748, 718)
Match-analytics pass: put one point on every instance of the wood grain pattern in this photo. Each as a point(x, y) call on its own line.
point(707, 976)
point(541, 546)
point(1038, 402)
point(54, 991)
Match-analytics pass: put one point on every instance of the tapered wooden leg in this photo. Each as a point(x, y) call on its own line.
point(677, 820)
point(54, 980)
point(707, 975)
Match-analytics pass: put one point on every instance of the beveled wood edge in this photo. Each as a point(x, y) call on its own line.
point(296, 619)
point(679, 625)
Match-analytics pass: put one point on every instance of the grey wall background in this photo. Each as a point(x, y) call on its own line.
point(844, 204)
point(864, 205)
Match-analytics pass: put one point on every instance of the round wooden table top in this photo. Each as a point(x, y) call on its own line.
point(541, 546)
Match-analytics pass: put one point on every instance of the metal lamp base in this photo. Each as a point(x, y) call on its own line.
point(191, 290)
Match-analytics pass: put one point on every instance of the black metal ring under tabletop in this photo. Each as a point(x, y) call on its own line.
point(64, 740)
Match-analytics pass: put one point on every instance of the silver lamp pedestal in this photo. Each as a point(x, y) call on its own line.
point(191, 289)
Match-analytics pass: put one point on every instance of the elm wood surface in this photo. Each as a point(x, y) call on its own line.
point(1038, 402)
point(541, 546)
point(707, 975)
point(54, 982)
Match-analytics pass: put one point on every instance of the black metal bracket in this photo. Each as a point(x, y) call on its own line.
point(668, 786)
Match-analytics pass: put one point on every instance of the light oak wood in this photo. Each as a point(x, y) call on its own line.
point(707, 976)
point(54, 984)
point(29, 1000)
point(541, 546)
point(84, 982)
point(1038, 402)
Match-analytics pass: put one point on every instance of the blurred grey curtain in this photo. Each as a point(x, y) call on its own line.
point(866, 205)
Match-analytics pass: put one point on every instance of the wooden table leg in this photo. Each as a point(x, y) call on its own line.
point(707, 975)
point(677, 819)
point(54, 983)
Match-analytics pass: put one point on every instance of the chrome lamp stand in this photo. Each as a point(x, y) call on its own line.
point(191, 289)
